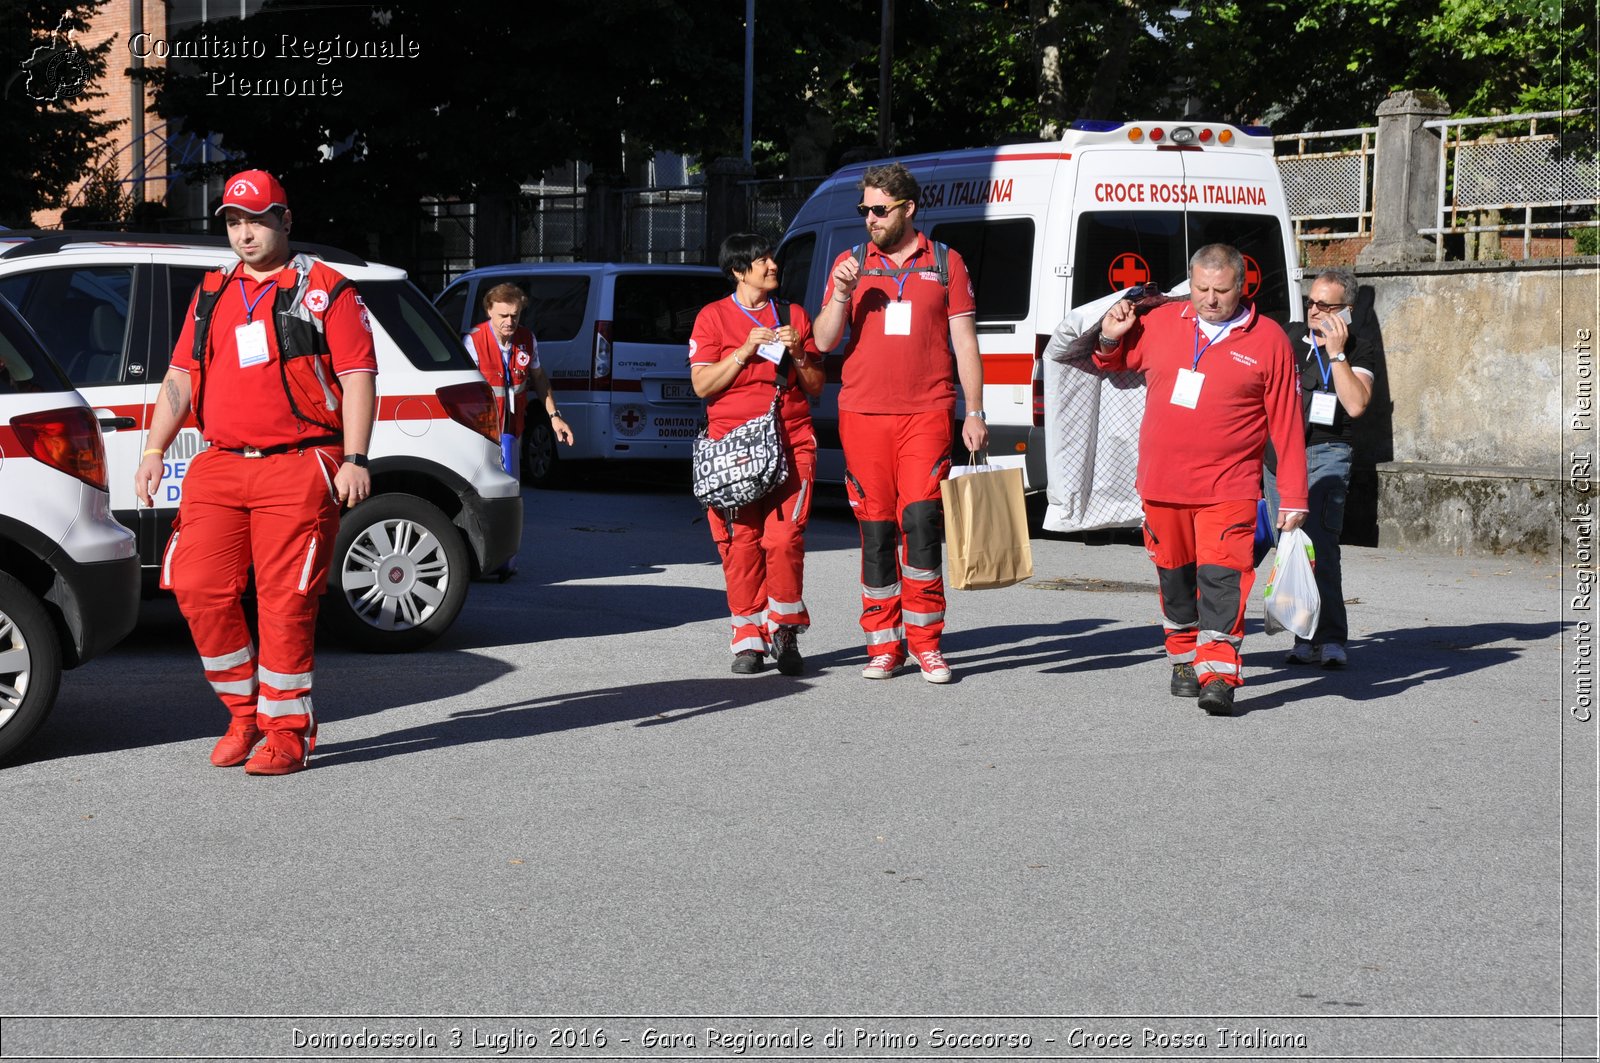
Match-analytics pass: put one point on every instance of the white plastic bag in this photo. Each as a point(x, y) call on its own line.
point(1291, 601)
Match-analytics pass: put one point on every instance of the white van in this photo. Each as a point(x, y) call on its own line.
point(613, 341)
point(1044, 227)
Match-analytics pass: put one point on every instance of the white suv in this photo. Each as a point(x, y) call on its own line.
point(69, 573)
point(109, 307)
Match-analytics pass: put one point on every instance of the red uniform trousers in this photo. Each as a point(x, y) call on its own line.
point(893, 466)
point(763, 553)
point(278, 514)
point(1205, 564)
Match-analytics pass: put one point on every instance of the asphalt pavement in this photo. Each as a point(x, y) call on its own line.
point(568, 816)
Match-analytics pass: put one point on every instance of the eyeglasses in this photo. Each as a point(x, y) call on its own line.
point(1327, 308)
point(880, 210)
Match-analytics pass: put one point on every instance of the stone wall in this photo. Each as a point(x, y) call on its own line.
point(1468, 446)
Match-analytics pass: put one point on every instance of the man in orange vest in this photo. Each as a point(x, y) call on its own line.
point(277, 365)
point(508, 357)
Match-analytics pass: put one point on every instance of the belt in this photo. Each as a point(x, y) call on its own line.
point(280, 448)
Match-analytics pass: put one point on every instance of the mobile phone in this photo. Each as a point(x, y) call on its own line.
point(1344, 315)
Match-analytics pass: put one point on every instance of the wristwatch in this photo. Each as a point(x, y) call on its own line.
point(358, 460)
point(1337, 356)
point(1107, 342)
point(979, 415)
point(554, 414)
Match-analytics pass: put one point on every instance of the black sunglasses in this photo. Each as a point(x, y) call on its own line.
point(880, 210)
point(1328, 308)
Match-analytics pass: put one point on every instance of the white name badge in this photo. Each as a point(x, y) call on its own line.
point(251, 340)
point(897, 319)
point(1323, 406)
point(1186, 392)
point(772, 352)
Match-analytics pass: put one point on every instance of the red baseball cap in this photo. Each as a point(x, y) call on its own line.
point(254, 192)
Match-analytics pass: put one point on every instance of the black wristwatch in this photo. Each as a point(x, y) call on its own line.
point(358, 460)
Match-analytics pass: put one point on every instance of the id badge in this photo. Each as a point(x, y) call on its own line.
point(1324, 404)
point(251, 340)
point(1186, 392)
point(897, 319)
point(772, 352)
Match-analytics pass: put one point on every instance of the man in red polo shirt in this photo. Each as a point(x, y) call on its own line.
point(1220, 379)
point(906, 304)
point(276, 362)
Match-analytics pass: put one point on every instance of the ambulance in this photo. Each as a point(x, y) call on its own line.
point(1048, 226)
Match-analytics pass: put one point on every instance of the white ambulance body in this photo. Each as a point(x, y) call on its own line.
point(1047, 226)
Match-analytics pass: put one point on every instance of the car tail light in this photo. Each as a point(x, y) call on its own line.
point(1038, 388)
point(68, 440)
point(601, 370)
point(472, 404)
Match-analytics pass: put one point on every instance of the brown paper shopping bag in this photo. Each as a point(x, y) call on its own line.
point(986, 530)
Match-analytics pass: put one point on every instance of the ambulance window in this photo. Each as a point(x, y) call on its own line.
point(82, 316)
point(794, 269)
point(414, 325)
point(1116, 249)
point(661, 307)
point(999, 255)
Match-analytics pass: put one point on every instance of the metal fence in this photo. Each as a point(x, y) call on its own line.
point(1525, 173)
point(550, 227)
point(1329, 185)
point(664, 224)
point(772, 204)
point(1327, 179)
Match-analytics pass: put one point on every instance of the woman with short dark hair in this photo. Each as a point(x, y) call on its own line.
point(741, 348)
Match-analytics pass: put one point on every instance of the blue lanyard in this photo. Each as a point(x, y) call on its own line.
point(249, 307)
point(1326, 368)
point(1199, 350)
point(900, 281)
point(746, 312)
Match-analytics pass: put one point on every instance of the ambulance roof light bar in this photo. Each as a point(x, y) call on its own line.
point(1188, 135)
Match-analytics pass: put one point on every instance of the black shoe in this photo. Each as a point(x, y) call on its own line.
point(1185, 684)
point(786, 648)
point(747, 662)
point(1217, 698)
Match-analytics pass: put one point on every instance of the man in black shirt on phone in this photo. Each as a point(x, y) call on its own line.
point(1336, 375)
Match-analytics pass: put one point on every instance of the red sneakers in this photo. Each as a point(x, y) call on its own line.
point(283, 753)
point(233, 747)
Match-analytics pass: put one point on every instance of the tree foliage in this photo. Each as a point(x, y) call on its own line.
point(50, 144)
point(487, 105)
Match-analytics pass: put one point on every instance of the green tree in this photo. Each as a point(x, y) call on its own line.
point(50, 143)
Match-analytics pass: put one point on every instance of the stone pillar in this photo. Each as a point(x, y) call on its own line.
point(493, 231)
point(727, 202)
point(602, 217)
point(1405, 183)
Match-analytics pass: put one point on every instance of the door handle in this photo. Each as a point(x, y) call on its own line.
point(115, 424)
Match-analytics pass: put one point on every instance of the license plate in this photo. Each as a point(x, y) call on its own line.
point(673, 391)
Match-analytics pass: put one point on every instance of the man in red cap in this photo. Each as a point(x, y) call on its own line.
point(276, 363)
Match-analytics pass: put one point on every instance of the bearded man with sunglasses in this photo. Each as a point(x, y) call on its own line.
point(901, 304)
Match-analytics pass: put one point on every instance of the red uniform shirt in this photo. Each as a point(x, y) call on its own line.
point(1212, 453)
point(724, 326)
point(247, 405)
point(912, 373)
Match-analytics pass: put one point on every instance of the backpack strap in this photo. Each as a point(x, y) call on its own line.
point(941, 264)
point(780, 307)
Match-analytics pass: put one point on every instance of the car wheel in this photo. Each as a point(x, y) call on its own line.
point(30, 665)
point(541, 467)
point(399, 576)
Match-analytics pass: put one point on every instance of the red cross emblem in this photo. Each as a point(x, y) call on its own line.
point(1126, 271)
point(1252, 277)
point(630, 419)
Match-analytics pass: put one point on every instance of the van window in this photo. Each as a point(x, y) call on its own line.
point(1114, 249)
point(661, 307)
point(794, 269)
point(556, 303)
point(999, 255)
